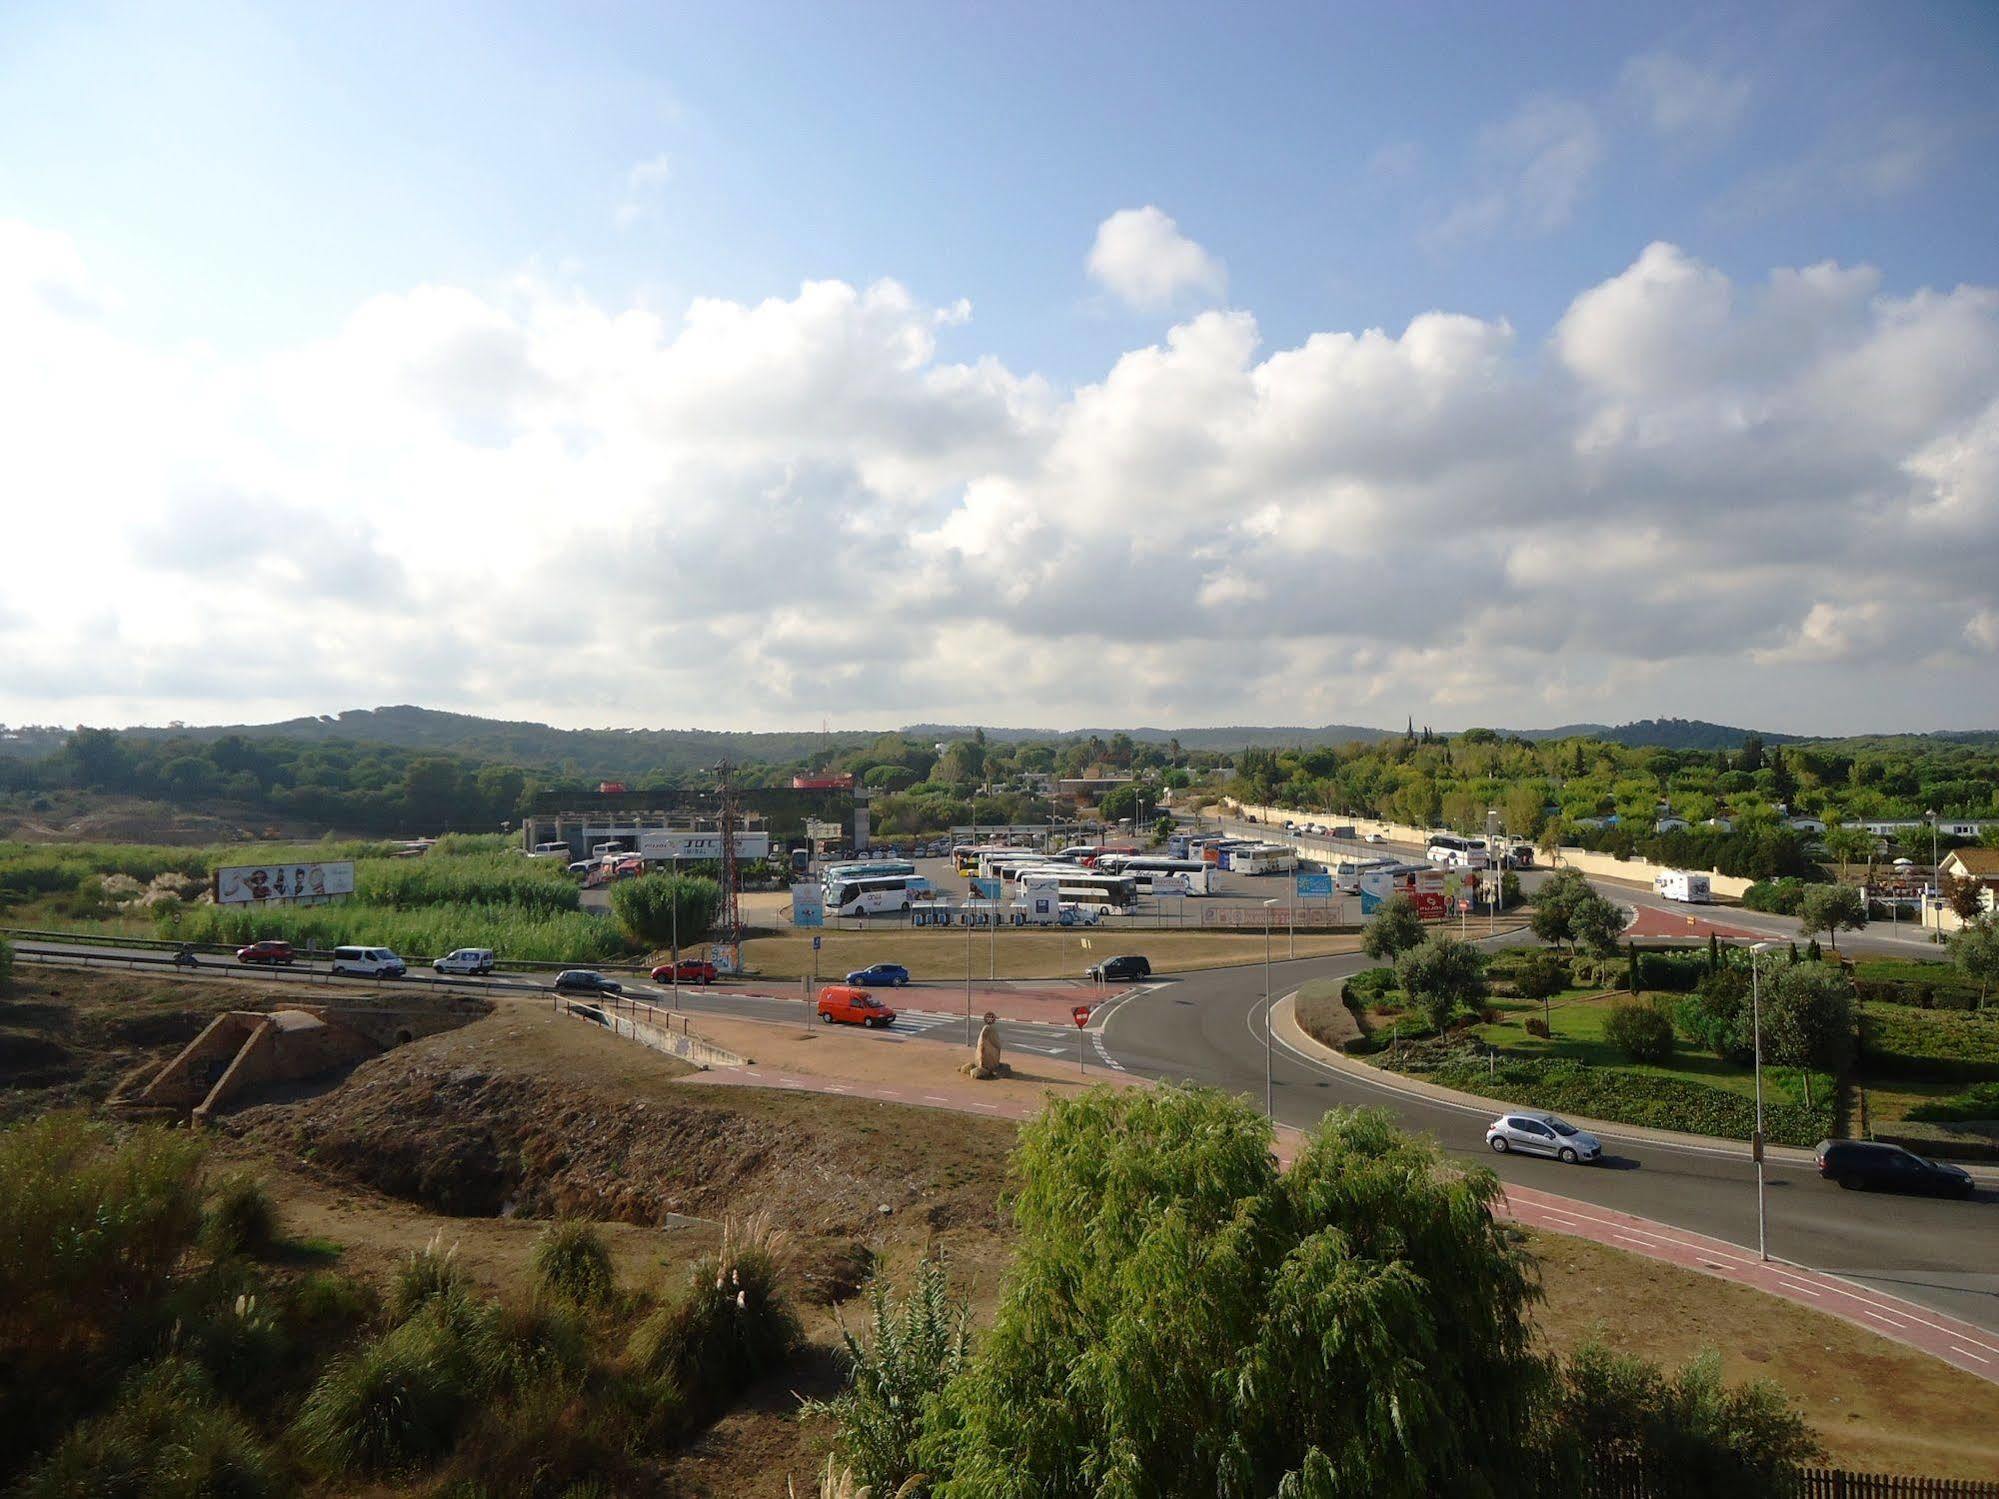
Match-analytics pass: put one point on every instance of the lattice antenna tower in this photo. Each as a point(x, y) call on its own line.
point(730, 919)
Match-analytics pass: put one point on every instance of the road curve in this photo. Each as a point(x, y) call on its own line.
point(1208, 1028)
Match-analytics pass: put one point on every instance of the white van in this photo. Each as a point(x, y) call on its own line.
point(466, 960)
point(1679, 884)
point(369, 962)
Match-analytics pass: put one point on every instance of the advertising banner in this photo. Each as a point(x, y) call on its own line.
point(808, 905)
point(1255, 918)
point(1314, 884)
point(252, 884)
point(680, 845)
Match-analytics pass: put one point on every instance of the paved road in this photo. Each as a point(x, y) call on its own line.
point(1208, 1028)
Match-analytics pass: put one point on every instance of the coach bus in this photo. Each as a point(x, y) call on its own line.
point(1096, 892)
point(1455, 852)
point(865, 870)
point(1195, 875)
point(870, 895)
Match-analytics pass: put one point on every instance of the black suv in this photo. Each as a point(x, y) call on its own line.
point(1130, 966)
point(1870, 1163)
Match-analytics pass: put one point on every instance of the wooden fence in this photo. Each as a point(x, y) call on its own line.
point(1617, 1478)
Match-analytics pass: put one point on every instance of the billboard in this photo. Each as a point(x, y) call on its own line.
point(252, 884)
point(1314, 884)
point(1423, 884)
point(682, 845)
point(808, 905)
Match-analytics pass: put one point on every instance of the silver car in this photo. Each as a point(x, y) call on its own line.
point(1542, 1134)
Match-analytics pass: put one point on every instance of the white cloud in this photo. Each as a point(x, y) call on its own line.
point(1141, 257)
point(644, 185)
point(1863, 165)
point(1681, 101)
point(1701, 496)
point(1533, 168)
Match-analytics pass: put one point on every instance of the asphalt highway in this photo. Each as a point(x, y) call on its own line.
point(1208, 1028)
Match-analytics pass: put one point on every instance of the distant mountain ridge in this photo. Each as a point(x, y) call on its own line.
point(633, 752)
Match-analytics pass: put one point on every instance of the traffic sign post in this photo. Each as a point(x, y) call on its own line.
point(1081, 1015)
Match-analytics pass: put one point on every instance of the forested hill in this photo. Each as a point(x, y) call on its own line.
point(597, 752)
point(1658, 733)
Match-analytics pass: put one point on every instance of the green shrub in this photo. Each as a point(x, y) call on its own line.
point(1687, 1432)
point(732, 1326)
point(92, 1224)
point(324, 1309)
point(1780, 897)
point(6, 962)
point(1641, 1031)
point(167, 1436)
point(1372, 983)
point(535, 1342)
point(426, 1274)
point(240, 1218)
point(241, 1346)
point(1536, 1026)
point(400, 1402)
point(1903, 1041)
point(1564, 1086)
point(914, 1350)
point(1675, 971)
point(1974, 1103)
point(570, 1261)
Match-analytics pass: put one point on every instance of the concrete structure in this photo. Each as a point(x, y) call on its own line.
point(243, 1049)
point(583, 820)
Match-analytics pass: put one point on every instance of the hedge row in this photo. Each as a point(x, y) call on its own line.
point(1571, 1087)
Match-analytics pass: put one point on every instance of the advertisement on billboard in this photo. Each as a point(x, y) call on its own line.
point(253, 884)
point(683, 845)
point(808, 905)
point(1310, 885)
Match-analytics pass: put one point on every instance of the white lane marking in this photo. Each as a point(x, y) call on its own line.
point(936, 1098)
point(1103, 1054)
point(1646, 1240)
point(1969, 1354)
point(1792, 1285)
point(1884, 1317)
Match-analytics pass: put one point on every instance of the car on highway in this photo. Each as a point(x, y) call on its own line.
point(686, 971)
point(586, 981)
point(1377, 838)
point(1858, 1164)
point(1124, 966)
point(1542, 1134)
point(472, 960)
point(368, 962)
point(880, 976)
point(846, 1005)
point(270, 950)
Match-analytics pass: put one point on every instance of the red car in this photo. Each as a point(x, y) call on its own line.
point(268, 951)
point(852, 1006)
point(692, 971)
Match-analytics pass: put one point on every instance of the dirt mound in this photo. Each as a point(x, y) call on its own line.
point(479, 1130)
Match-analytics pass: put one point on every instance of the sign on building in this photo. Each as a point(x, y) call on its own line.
point(808, 906)
point(695, 846)
point(254, 884)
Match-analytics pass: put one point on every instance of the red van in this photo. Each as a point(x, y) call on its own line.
point(851, 1006)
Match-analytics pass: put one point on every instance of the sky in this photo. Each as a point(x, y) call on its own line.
point(759, 365)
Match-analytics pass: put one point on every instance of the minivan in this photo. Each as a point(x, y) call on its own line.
point(477, 960)
point(852, 1006)
point(1854, 1164)
point(368, 962)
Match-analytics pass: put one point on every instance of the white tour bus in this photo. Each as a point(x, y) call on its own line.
point(1457, 853)
point(870, 895)
point(1179, 876)
point(1096, 891)
point(836, 875)
point(1681, 884)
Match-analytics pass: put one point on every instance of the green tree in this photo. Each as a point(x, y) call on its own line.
point(1846, 845)
point(646, 908)
point(1524, 806)
point(1185, 1320)
point(1974, 949)
point(1542, 976)
point(1965, 897)
point(1443, 977)
point(1807, 1011)
point(1831, 909)
point(1569, 912)
point(1641, 1031)
point(1394, 930)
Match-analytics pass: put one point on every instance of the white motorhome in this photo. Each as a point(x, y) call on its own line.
point(1680, 884)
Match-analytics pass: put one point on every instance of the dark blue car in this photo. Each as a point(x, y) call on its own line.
point(881, 976)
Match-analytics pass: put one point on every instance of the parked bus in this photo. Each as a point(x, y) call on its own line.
point(876, 868)
point(1195, 875)
point(873, 894)
point(1101, 893)
point(1457, 853)
point(966, 855)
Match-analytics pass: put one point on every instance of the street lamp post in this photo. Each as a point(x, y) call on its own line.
point(1269, 1106)
point(1756, 1047)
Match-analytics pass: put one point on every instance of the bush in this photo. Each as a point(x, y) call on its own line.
point(646, 907)
point(6, 962)
point(400, 1402)
point(1372, 983)
point(732, 1326)
point(1542, 975)
point(240, 1218)
point(1979, 1102)
point(427, 1273)
point(1536, 1026)
point(167, 1434)
point(1688, 1433)
point(324, 1309)
point(1444, 976)
point(914, 1351)
point(1902, 1041)
point(1780, 897)
point(1676, 971)
point(1641, 1031)
point(571, 1262)
point(1394, 930)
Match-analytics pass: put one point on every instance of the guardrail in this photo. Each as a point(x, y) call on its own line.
point(169, 945)
point(246, 970)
